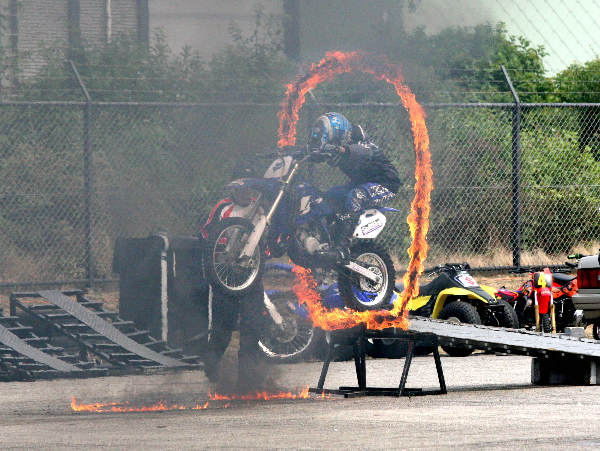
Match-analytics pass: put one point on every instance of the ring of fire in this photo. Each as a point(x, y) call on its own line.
point(336, 63)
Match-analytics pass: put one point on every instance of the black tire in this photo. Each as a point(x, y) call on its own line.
point(545, 322)
point(462, 312)
point(596, 330)
point(508, 317)
point(294, 349)
point(371, 348)
point(247, 282)
point(374, 256)
point(342, 350)
point(386, 349)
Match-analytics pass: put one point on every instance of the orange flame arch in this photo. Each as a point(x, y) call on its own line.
point(336, 63)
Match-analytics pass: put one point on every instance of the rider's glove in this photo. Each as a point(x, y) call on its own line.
point(336, 153)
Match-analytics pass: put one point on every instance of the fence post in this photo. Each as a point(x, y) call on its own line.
point(87, 177)
point(516, 175)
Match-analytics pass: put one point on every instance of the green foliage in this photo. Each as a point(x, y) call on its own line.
point(463, 64)
point(160, 168)
point(581, 83)
point(251, 69)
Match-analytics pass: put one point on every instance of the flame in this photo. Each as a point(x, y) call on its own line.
point(161, 406)
point(263, 396)
point(201, 407)
point(336, 63)
point(305, 288)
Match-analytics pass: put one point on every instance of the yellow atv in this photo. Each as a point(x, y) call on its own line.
point(453, 295)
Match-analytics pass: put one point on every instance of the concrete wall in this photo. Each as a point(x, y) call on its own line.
point(45, 23)
point(203, 24)
point(124, 17)
point(93, 21)
point(40, 23)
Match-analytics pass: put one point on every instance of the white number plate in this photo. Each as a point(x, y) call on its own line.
point(466, 280)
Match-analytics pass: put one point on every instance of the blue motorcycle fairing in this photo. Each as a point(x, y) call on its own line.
point(382, 209)
point(312, 204)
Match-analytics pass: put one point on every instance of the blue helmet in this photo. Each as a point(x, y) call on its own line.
point(330, 128)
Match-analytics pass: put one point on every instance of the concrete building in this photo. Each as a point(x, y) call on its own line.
point(310, 27)
point(34, 24)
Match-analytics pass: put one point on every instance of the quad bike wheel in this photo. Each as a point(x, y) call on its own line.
point(360, 293)
point(459, 312)
point(225, 271)
point(508, 317)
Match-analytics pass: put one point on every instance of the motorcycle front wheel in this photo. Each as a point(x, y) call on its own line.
point(360, 293)
point(224, 269)
point(295, 340)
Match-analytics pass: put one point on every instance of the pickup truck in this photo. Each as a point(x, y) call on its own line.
point(587, 297)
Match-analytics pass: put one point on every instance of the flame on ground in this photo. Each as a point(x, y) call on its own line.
point(336, 63)
point(162, 406)
point(262, 396)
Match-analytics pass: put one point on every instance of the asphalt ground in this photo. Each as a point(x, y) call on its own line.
point(491, 404)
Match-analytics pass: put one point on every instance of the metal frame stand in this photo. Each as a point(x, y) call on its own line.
point(361, 370)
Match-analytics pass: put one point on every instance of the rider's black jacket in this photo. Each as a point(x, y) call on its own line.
point(365, 163)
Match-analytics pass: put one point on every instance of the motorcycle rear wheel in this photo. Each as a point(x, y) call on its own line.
point(223, 269)
point(360, 293)
point(545, 322)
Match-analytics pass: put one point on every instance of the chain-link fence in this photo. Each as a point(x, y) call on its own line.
point(514, 184)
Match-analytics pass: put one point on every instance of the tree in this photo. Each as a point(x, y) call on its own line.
point(581, 83)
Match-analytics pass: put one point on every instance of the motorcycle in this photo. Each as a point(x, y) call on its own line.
point(544, 301)
point(286, 215)
point(290, 335)
point(454, 295)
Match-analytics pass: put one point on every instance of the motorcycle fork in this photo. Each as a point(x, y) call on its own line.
point(265, 221)
point(536, 307)
point(553, 315)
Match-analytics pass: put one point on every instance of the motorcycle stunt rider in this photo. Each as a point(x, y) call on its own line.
point(373, 178)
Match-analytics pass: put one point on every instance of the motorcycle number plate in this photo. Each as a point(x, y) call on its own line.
point(370, 224)
point(466, 280)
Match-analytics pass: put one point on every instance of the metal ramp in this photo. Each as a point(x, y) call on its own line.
point(104, 334)
point(26, 356)
point(510, 341)
point(553, 352)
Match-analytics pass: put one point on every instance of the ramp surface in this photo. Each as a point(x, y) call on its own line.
point(106, 329)
point(515, 341)
point(10, 340)
point(115, 341)
point(24, 355)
